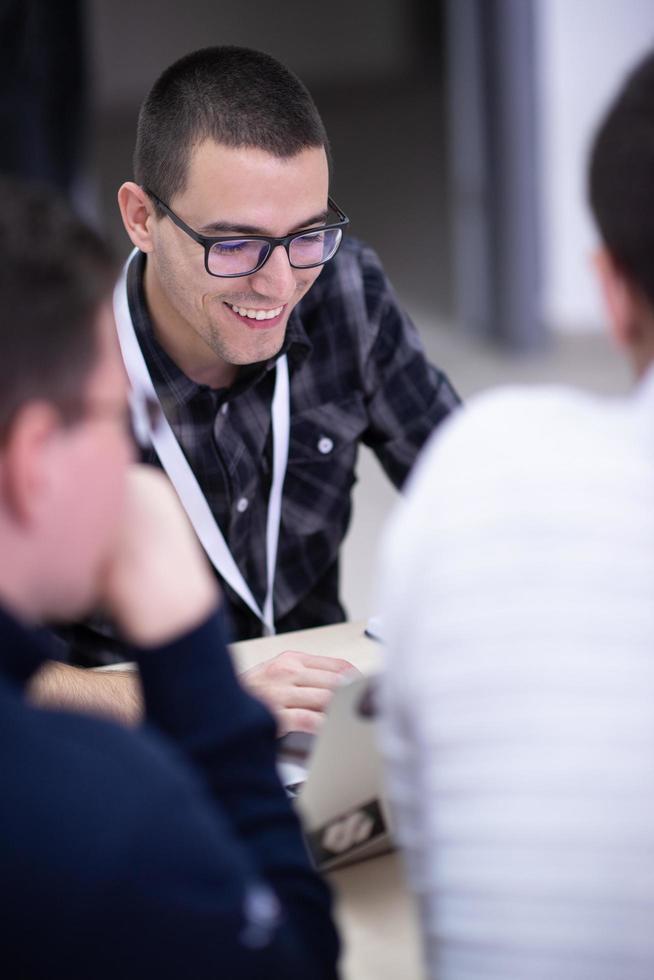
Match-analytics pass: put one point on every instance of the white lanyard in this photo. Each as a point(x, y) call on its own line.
point(182, 477)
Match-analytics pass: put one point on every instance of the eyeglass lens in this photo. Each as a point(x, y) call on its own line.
point(237, 258)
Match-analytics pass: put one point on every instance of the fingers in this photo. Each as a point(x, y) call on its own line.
point(328, 680)
point(298, 687)
point(288, 674)
point(299, 720)
point(310, 698)
point(332, 664)
point(307, 670)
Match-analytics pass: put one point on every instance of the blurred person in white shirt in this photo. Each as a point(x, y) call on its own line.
point(518, 598)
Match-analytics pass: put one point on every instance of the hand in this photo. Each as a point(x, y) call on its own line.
point(297, 687)
point(157, 584)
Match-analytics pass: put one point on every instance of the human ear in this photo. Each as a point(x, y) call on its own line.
point(622, 302)
point(137, 212)
point(29, 462)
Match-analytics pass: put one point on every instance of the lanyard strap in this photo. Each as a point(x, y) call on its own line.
point(182, 477)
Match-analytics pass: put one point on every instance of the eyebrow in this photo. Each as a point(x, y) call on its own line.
point(225, 228)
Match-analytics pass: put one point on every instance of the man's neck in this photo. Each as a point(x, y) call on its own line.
point(181, 343)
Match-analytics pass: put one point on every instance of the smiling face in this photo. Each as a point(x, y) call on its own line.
point(212, 325)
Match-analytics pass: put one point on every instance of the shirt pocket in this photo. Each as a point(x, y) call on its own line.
point(322, 453)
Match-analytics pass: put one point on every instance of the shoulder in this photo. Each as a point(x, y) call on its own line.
point(507, 449)
point(355, 277)
point(353, 308)
point(101, 824)
point(508, 427)
point(356, 257)
point(500, 493)
point(78, 777)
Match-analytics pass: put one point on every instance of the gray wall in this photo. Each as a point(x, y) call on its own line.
point(132, 42)
point(375, 69)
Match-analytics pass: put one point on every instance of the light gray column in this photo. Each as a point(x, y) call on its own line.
point(492, 130)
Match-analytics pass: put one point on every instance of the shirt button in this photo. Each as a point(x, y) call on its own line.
point(325, 445)
point(242, 504)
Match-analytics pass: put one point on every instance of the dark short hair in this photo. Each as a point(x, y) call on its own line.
point(235, 96)
point(621, 178)
point(55, 273)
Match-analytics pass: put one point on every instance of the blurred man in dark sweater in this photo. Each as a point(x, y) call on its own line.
point(167, 851)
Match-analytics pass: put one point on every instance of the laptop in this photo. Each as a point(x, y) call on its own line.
point(336, 781)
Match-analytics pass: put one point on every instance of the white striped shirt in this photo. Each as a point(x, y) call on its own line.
point(518, 599)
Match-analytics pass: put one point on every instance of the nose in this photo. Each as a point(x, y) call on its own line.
point(276, 278)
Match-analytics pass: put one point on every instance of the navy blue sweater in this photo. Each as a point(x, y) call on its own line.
point(167, 852)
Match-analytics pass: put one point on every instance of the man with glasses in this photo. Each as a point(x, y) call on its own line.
point(274, 344)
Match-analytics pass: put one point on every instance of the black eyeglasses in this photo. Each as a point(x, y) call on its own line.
point(229, 256)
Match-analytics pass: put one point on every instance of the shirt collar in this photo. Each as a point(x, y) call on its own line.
point(167, 376)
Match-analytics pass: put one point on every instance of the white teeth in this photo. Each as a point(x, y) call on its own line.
point(256, 314)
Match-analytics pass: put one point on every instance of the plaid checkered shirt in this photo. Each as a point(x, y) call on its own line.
point(358, 373)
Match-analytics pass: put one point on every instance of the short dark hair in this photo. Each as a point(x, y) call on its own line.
point(55, 273)
point(235, 96)
point(621, 178)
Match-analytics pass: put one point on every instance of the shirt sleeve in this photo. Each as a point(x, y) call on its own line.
point(216, 879)
point(517, 720)
point(407, 397)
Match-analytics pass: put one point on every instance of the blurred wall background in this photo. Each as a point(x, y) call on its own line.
point(584, 48)
point(375, 68)
point(381, 73)
point(411, 120)
point(379, 70)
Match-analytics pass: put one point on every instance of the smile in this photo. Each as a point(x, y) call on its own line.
point(255, 314)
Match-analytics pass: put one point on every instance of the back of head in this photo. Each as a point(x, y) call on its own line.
point(621, 178)
point(54, 274)
point(235, 96)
